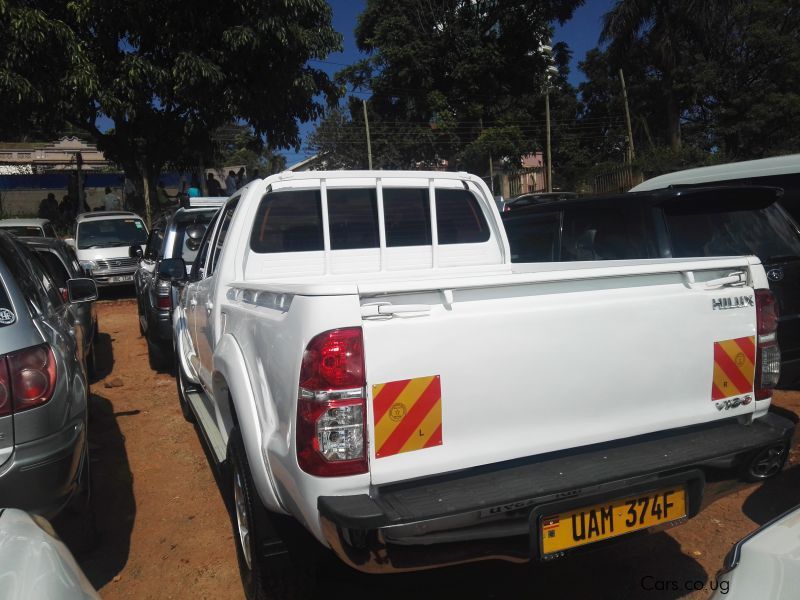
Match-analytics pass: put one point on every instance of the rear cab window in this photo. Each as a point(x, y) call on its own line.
point(364, 229)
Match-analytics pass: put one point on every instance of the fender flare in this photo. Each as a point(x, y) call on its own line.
point(232, 389)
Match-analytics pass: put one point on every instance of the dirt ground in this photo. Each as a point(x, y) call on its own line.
point(164, 532)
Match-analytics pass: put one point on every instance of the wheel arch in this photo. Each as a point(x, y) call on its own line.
point(237, 407)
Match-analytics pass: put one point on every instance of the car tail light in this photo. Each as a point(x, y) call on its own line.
point(768, 357)
point(164, 295)
point(331, 405)
point(27, 379)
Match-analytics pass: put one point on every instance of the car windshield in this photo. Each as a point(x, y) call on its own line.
point(106, 233)
point(186, 247)
point(764, 232)
point(24, 230)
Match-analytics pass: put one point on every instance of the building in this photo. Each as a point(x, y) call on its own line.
point(33, 157)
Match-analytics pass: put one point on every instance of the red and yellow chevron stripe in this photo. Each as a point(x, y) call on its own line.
point(408, 415)
point(734, 367)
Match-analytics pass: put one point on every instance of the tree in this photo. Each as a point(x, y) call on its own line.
point(168, 73)
point(244, 148)
point(661, 30)
point(448, 80)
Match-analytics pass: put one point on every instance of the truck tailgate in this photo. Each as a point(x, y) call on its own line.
point(471, 375)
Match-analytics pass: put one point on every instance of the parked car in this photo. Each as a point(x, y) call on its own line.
point(675, 223)
point(173, 236)
point(29, 227)
point(779, 171)
point(536, 198)
point(35, 563)
point(370, 372)
point(62, 264)
point(102, 243)
point(764, 564)
point(43, 390)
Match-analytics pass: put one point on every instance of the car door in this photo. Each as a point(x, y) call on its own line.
point(189, 297)
point(205, 334)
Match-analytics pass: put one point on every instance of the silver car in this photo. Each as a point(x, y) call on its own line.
point(43, 389)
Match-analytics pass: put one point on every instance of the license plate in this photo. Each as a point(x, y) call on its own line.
point(570, 529)
point(121, 278)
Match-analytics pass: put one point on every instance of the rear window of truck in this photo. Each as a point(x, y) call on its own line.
point(291, 220)
point(717, 231)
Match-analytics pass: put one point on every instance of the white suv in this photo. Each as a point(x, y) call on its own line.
point(103, 241)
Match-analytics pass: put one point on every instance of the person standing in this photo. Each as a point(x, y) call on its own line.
point(230, 183)
point(240, 177)
point(212, 185)
point(111, 201)
point(48, 208)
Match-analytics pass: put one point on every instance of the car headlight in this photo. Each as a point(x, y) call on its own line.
point(88, 265)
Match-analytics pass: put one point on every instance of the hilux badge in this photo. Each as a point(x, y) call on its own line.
point(730, 302)
point(775, 274)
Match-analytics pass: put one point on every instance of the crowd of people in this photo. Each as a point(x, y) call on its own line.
point(63, 213)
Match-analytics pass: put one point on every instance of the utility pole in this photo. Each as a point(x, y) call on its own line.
point(369, 144)
point(631, 154)
point(549, 158)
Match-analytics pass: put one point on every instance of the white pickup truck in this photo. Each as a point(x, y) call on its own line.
point(365, 362)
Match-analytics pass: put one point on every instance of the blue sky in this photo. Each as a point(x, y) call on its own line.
point(581, 33)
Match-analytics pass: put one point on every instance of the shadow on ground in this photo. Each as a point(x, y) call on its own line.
point(647, 566)
point(774, 497)
point(117, 292)
point(113, 504)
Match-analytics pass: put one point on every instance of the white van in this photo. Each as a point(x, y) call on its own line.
point(102, 243)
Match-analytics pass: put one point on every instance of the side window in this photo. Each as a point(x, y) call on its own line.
point(459, 218)
point(153, 249)
point(199, 265)
point(219, 240)
point(49, 231)
point(18, 264)
point(288, 221)
point(607, 233)
point(532, 237)
point(353, 218)
point(45, 284)
point(407, 215)
point(55, 268)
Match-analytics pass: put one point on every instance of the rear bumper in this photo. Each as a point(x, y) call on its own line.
point(41, 476)
point(485, 513)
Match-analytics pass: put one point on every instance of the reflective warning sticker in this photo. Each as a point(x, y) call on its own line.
point(734, 367)
point(408, 415)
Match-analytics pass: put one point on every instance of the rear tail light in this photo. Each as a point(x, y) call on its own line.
point(331, 405)
point(27, 379)
point(164, 295)
point(768, 357)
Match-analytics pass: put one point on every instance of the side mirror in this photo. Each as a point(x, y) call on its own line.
point(81, 289)
point(135, 252)
point(173, 269)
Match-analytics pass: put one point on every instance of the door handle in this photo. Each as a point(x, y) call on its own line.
point(209, 306)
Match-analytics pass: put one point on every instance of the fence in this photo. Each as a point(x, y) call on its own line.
point(620, 179)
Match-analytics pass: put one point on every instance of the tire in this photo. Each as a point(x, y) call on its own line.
point(183, 387)
point(158, 354)
point(253, 531)
point(91, 365)
point(765, 463)
point(80, 507)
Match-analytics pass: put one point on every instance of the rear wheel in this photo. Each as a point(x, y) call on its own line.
point(158, 354)
point(265, 572)
point(766, 462)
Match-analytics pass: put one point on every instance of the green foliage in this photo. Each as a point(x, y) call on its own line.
point(168, 73)
point(449, 80)
point(246, 149)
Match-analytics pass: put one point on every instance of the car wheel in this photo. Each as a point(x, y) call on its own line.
point(80, 506)
point(91, 365)
point(158, 354)
point(254, 535)
point(183, 388)
point(766, 462)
